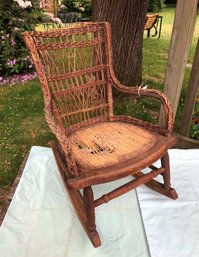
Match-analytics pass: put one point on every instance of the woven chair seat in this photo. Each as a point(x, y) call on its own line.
point(108, 143)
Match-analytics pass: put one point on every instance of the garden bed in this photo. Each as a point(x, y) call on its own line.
point(17, 79)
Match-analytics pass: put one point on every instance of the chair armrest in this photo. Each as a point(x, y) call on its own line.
point(136, 91)
point(61, 136)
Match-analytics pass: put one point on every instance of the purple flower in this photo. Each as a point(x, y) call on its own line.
point(18, 79)
point(13, 42)
point(8, 35)
point(11, 62)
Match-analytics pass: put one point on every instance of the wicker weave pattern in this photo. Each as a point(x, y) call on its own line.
point(75, 68)
point(95, 146)
point(108, 143)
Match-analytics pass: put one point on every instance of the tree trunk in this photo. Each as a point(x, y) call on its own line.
point(127, 19)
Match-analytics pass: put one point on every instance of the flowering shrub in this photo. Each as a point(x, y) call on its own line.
point(23, 4)
point(83, 7)
point(16, 16)
point(50, 17)
point(18, 78)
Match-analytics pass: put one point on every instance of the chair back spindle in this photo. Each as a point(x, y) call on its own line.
point(73, 67)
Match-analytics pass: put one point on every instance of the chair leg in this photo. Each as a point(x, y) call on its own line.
point(166, 175)
point(89, 208)
point(84, 206)
point(164, 189)
point(85, 211)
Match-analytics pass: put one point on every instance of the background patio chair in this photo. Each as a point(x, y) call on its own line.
point(153, 22)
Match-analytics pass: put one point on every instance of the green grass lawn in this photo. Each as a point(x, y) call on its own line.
point(155, 54)
point(21, 106)
point(22, 125)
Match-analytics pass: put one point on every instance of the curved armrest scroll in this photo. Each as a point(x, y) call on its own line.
point(136, 91)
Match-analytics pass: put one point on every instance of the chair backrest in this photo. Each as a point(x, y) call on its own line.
point(151, 19)
point(73, 67)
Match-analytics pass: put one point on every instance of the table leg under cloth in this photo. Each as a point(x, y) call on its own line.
point(42, 222)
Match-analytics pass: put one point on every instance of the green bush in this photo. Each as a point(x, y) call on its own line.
point(155, 5)
point(170, 1)
point(16, 16)
point(194, 129)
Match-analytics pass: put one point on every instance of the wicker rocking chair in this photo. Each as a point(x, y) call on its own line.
point(94, 145)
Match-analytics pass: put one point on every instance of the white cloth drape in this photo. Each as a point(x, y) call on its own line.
point(41, 221)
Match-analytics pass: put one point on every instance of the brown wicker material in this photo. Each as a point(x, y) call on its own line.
point(95, 146)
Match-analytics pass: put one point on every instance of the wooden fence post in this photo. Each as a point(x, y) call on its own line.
point(191, 95)
point(183, 28)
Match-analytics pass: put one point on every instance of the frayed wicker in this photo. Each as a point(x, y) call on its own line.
point(108, 143)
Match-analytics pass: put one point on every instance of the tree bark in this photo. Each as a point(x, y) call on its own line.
point(127, 19)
